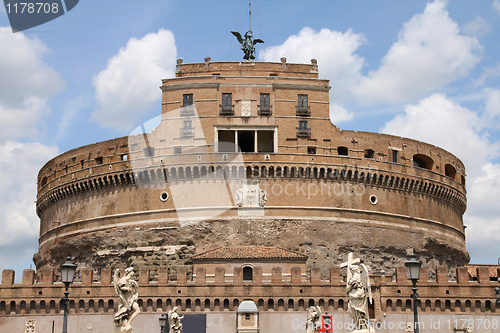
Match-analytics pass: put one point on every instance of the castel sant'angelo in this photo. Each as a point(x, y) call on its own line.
point(244, 190)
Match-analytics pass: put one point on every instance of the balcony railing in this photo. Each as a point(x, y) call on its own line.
point(187, 111)
point(187, 132)
point(303, 132)
point(303, 111)
point(226, 110)
point(265, 110)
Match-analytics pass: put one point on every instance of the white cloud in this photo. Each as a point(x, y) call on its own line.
point(18, 220)
point(335, 52)
point(492, 103)
point(128, 87)
point(429, 54)
point(477, 27)
point(26, 83)
point(339, 114)
point(488, 74)
point(442, 122)
point(496, 6)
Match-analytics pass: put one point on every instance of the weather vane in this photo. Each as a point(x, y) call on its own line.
point(248, 43)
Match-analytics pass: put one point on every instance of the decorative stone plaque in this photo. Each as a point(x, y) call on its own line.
point(30, 325)
point(245, 108)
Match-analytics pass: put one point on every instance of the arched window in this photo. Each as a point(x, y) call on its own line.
point(423, 161)
point(342, 151)
point(369, 153)
point(450, 171)
point(247, 273)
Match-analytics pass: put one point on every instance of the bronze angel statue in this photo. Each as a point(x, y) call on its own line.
point(247, 44)
point(128, 309)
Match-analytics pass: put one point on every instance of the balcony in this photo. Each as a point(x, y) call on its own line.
point(303, 111)
point(187, 132)
point(187, 111)
point(265, 110)
point(226, 110)
point(303, 132)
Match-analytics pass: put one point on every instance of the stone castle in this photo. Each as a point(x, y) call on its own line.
point(243, 190)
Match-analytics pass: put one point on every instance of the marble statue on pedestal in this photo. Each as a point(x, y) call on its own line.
point(174, 321)
point(358, 290)
point(313, 319)
point(128, 309)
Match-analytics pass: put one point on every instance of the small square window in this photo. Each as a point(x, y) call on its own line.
point(311, 150)
point(177, 150)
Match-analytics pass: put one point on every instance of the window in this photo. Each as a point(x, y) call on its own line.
point(422, 161)
point(177, 150)
point(303, 130)
point(311, 150)
point(394, 156)
point(450, 171)
point(265, 105)
point(247, 273)
point(369, 153)
point(303, 106)
point(227, 108)
point(245, 140)
point(187, 130)
point(187, 100)
point(187, 105)
point(344, 151)
point(98, 160)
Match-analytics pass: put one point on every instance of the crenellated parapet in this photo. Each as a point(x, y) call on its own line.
point(222, 291)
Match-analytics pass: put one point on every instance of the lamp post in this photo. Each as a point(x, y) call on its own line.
point(68, 270)
point(413, 266)
point(163, 321)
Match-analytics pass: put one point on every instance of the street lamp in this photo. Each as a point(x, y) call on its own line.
point(68, 270)
point(163, 321)
point(413, 266)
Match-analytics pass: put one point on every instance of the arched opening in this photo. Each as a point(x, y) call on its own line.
point(462, 180)
point(450, 171)
point(423, 161)
point(344, 151)
point(369, 153)
point(247, 273)
point(290, 304)
point(207, 304)
point(270, 304)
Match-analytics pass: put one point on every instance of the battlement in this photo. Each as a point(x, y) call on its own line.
point(225, 290)
point(163, 276)
point(247, 68)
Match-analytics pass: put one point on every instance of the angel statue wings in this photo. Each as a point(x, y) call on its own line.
point(358, 290)
point(247, 44)
point(313, 319)
point(128, 309)
point(174, 321)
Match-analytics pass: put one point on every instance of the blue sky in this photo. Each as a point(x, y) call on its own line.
point(425, 70)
